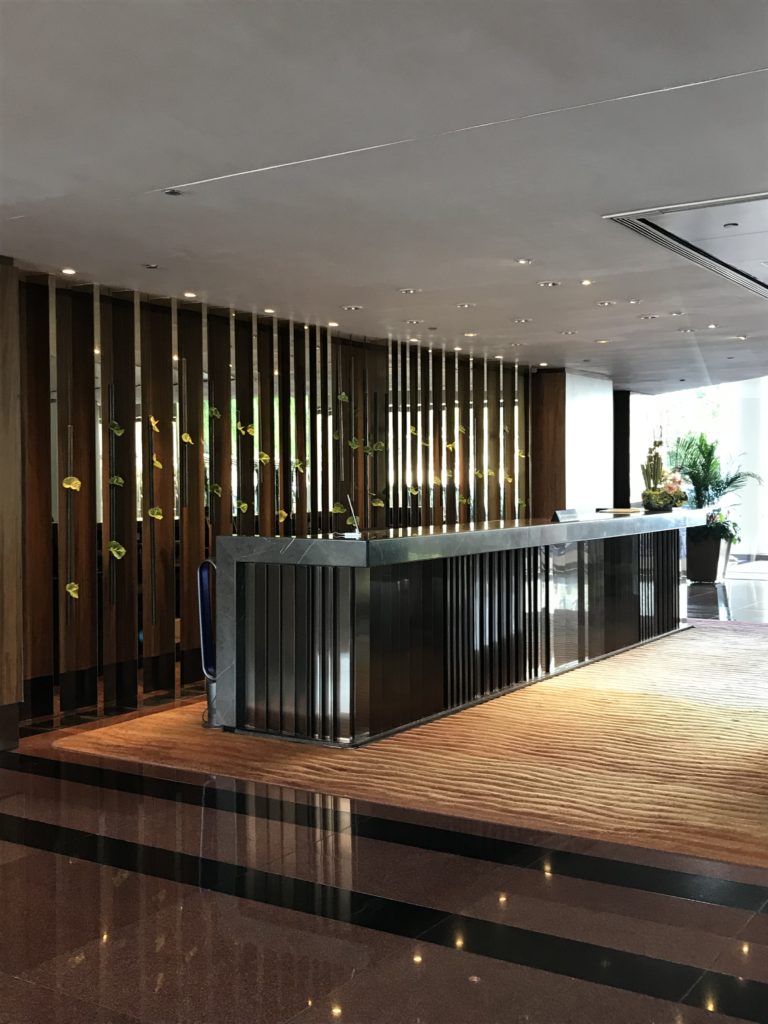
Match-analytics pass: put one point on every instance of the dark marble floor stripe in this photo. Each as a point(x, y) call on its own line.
point(630, 972)
point(607, 871)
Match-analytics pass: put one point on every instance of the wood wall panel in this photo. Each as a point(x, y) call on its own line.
point(158, 592)
point(220, 427)
point(77, 535)
point(451, 440)
point(39, 667)
point(479, 511)
point(119, 577)
point(300, 470)
point(463, 415)
point(11, 497)
point(548, 443)
point(266, 455)
point(245, 520)
point(495, 479)
point(191, 488)
point(283, 440)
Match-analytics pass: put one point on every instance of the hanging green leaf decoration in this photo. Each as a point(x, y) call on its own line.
point(242, 506)
point(377, 502)
point(425, 443)
point(490, 472)
point(215, 412)
point(379, 446)
point(116, 429)
point(343, 396)
point(336, 435)
point(155, 512)
point(463, 500)
point(437, 481)
point(413, 490)
point(216, 489)
point(298, 465)
point(462, 430)
point(186, 438)
point(521, 453)
point(413, 430)
point(506, 428)
point(116, 481)
point(264, 458)
point(282, 515)
point(449, 474)
point(155, 424)
point(240, 428)
point(156, 462)
point(479, 474)
point(368, 449)
point(337, 508)
point(351, 521)
point(451, 445)
point(73, 589)
point(353, 443)
point(71, 483)
point(250, 429)
point(116, 549)
point(509, 479)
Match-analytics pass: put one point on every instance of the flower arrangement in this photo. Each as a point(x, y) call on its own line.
point(663, 490)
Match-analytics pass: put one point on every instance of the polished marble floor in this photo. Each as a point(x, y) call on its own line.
point(734, 600)
point(163, 896)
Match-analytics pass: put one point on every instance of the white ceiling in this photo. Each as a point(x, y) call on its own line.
point(105, 104)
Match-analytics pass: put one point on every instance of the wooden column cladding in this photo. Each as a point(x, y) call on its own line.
point(548, 443)
point(11, 505)
point(191, 487)
point(39, 664)
point(78, 603)
point(245, 509)
point(158, 620)
point(220, 427)
point(119, 576)
point(266, 454)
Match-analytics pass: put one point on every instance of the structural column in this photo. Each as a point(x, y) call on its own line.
point(11, 531)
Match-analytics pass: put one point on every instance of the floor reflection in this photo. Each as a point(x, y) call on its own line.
point(733, 600)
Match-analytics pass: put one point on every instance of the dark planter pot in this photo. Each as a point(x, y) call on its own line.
point(707, 555)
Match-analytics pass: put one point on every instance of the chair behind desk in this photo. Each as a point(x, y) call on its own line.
point(207, 642)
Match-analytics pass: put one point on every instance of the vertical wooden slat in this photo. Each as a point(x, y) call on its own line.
point(191, 487)
point(360, 461)
point(426, 440)
point(284, 414)
point(462, 443)
point(244, 439)
point(509, 446)
point(479, 512)
point(438, 440)
point(77, 538)
point(299, 472)
point(451, 439)
point(38, 536)
point(220, 398)
point(11, 505)
point(413, 434)
point(118, 463)
point(266, 428)
point(493, 396)
point(314, 440)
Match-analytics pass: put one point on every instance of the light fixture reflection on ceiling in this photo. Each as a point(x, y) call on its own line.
point(465, 305)
point(190, 295)
point(543, 364)
point(685, 330)
point(712, 327)
point(606, 302)
point(352, 309)
point(634, 302)
point(413, 323)
point(69, 271)
point(332, 323)
point(457, 348)
point(602, 341)
point(149, 266)
point(648, 316)
point(568, 333)
point(470, 334)
point(523, 262)
point(549, 284)
point(586, 281)
point(269, 311)
point(498, 357)
point(522, 320)
point(409, 291)
point(676, 312)
point(414, 340)
point(741, 337)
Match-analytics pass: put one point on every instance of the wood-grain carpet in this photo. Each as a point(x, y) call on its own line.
point(664, 746)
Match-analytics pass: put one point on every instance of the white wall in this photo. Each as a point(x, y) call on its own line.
point(588, 442)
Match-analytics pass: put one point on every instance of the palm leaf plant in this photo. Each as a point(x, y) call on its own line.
point(695, 457)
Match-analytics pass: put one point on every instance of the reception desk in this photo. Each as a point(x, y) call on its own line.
point(340, 640)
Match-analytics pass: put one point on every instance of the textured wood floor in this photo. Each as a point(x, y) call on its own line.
point(665, 746)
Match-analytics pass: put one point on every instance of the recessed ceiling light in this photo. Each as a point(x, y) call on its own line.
point(543, 364)
point(682, 380)
point(352, 309)
point(606, 302)
point(69, 271)
point(712, 327)
point(648, 316)
point(685, 330)
point(277, 373)
point(409, 291)
point(306, 327)
point(332, 323)
point(568, 333)
point(190, 295)
point(465, 305)
point(741, 337)
point(730, 357)
point(676, 312)
point(457, 348)
point(172, 191)
point(498, 357)
point(634, 302)
point(549, 284)
point(602, 341)
point(175, 358)
point(731, 224)
point(269, 311)
point(414, 339)
point(586, 281)
point(413, 323)
point(149, 266)
point(522, 320)
point(97, 351)
point(470, 334)
point(523, 262)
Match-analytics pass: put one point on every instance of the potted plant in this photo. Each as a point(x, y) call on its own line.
point(696, 459)
point(662, 490)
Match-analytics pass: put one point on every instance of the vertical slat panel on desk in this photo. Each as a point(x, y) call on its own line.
point(266, 455)
point(158, 617)
point(245, 521)
point(118, 463)
point(493, 397)
point(77, 536)
point(38, 536)
point(462, 444)
point(191, 487)
point(220, 398)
